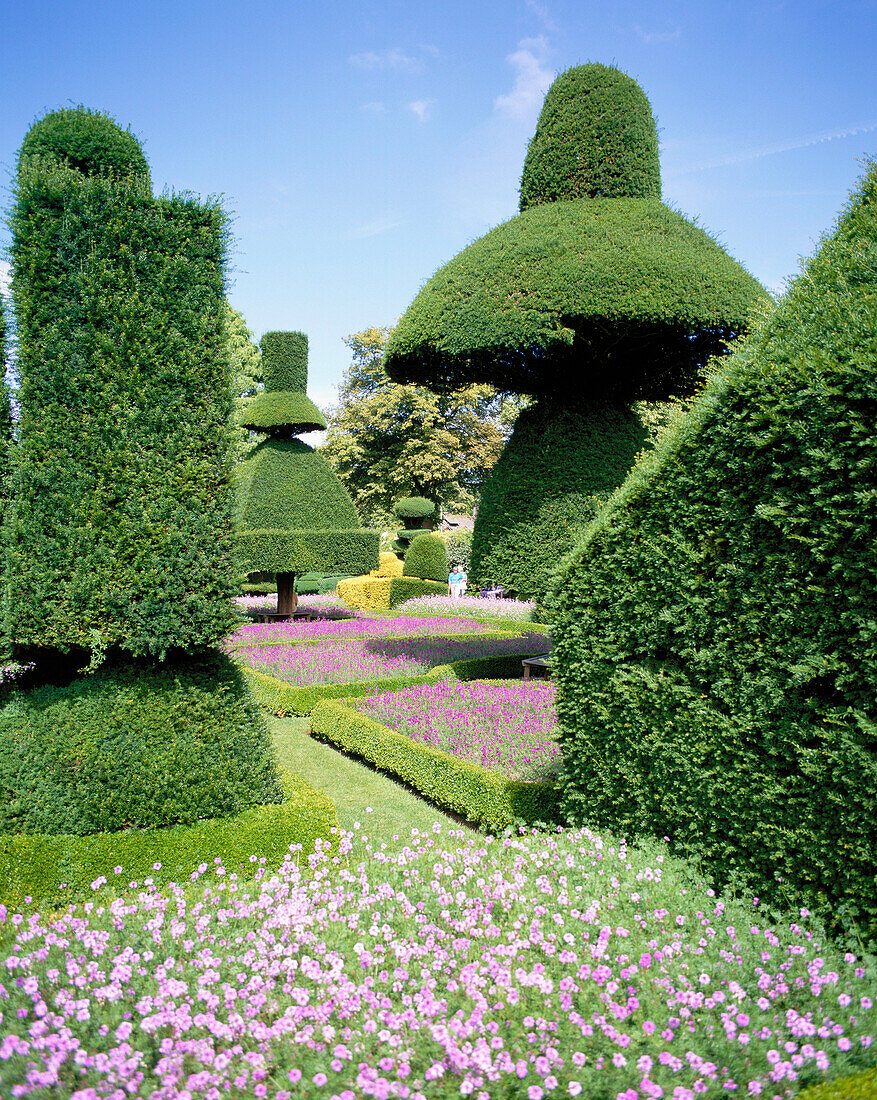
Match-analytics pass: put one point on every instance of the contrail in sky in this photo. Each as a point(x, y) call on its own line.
point(782, 147)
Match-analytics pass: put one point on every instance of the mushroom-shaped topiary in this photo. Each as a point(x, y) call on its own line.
point(293, 514)
point(597, 294)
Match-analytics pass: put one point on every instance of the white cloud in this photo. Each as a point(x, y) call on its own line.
point(779, 147)
point(651, 37)
point(394, 58)
point(376, 226)
point(421, 108)
point(5, 278)
point(532, 80)
point(542, 14)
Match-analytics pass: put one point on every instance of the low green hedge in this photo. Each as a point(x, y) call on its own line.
point(479, 794)
point(860, 1086)
point(406, 588)
point(60, 868)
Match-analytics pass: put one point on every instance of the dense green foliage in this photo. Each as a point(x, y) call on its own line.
point(562, 461)
point(58, 868)
point(134, 746)
point(120, 526)
point(577, 298)
point(716, 643)
point(860, 1086)
point(245, 362)
point(285, 361)
point(5, 401)
point(459, 547)
point(595, 138)
point(414, 508)
point(479, 794)
point(89, 141)
point(311, 584)
point(427, 558)
point(292, 514)
point(286, 409)
point(386, 441)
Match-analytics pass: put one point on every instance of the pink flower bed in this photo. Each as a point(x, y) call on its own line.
point(359, 661)
point(326, 630)
point(508, 726)
point(525, 966)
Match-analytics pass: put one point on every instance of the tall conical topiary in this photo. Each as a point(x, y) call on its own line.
point(716, 642)
point(293, 515)
point(596, 295)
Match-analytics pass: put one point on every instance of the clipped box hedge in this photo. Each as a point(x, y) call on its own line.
point(477, 793)
point(59, 868)
point(860, 1086)
point(382, 593)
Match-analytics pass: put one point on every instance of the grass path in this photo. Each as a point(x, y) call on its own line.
point(355, 786)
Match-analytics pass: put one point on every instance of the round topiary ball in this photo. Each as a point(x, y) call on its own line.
point(427, 559)
point(414, 508)
point(89, 141)
point(135, 745)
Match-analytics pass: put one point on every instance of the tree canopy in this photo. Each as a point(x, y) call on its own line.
point(386, 441)
point(246, 373)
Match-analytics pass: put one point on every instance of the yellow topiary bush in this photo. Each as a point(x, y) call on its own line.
point(390, 566)
point(366, 593)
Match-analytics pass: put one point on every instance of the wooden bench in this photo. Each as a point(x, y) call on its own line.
point(543, 662)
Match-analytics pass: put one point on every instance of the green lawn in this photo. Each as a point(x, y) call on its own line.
point(355, 786)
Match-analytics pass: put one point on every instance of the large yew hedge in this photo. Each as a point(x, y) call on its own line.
point(716, 635)
point(120, 532)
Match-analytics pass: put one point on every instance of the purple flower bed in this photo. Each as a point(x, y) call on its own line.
point(304, 630)
point(328, 605)
point(477, 607)
point(359, 661)
point(521, 967)
point(508, 726)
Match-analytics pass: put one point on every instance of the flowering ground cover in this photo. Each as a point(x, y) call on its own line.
point(529, 966)
point(473, 607)
point(508, 726)
point(364, 660)
point(327, 604)
point(329, 631)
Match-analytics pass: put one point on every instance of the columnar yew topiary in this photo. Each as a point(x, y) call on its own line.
point(118, 538)
point(596, 295)
point(120, 532)
point(293, 515)
point(715, 635)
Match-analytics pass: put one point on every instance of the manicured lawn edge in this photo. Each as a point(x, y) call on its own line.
point(480, 795)
point(61, 868)
point(477, 635)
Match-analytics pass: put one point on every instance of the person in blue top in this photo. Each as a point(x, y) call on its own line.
point(457, 581)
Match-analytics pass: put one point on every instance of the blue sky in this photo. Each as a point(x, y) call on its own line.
point(360, 145)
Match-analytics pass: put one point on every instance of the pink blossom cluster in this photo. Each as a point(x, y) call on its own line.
point(376, 659)
point(327, 604)
point(506, 725)
point(325, 630)
point(522, 966)
point(476, 607)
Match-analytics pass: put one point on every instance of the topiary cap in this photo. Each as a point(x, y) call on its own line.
point(89, 141)
point(284, 403)
point(564, 298)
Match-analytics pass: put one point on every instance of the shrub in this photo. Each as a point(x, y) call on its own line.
point(560, 463)
point(381, 593)
point(88, 141)
point(134, 745)
point(390, 565)
point(59, 868)
point(459, 548)
point(414, 508)
point(595, 138)
point(716, 644)
point(860, 1086)
point(120, 526)
point(427, 559)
